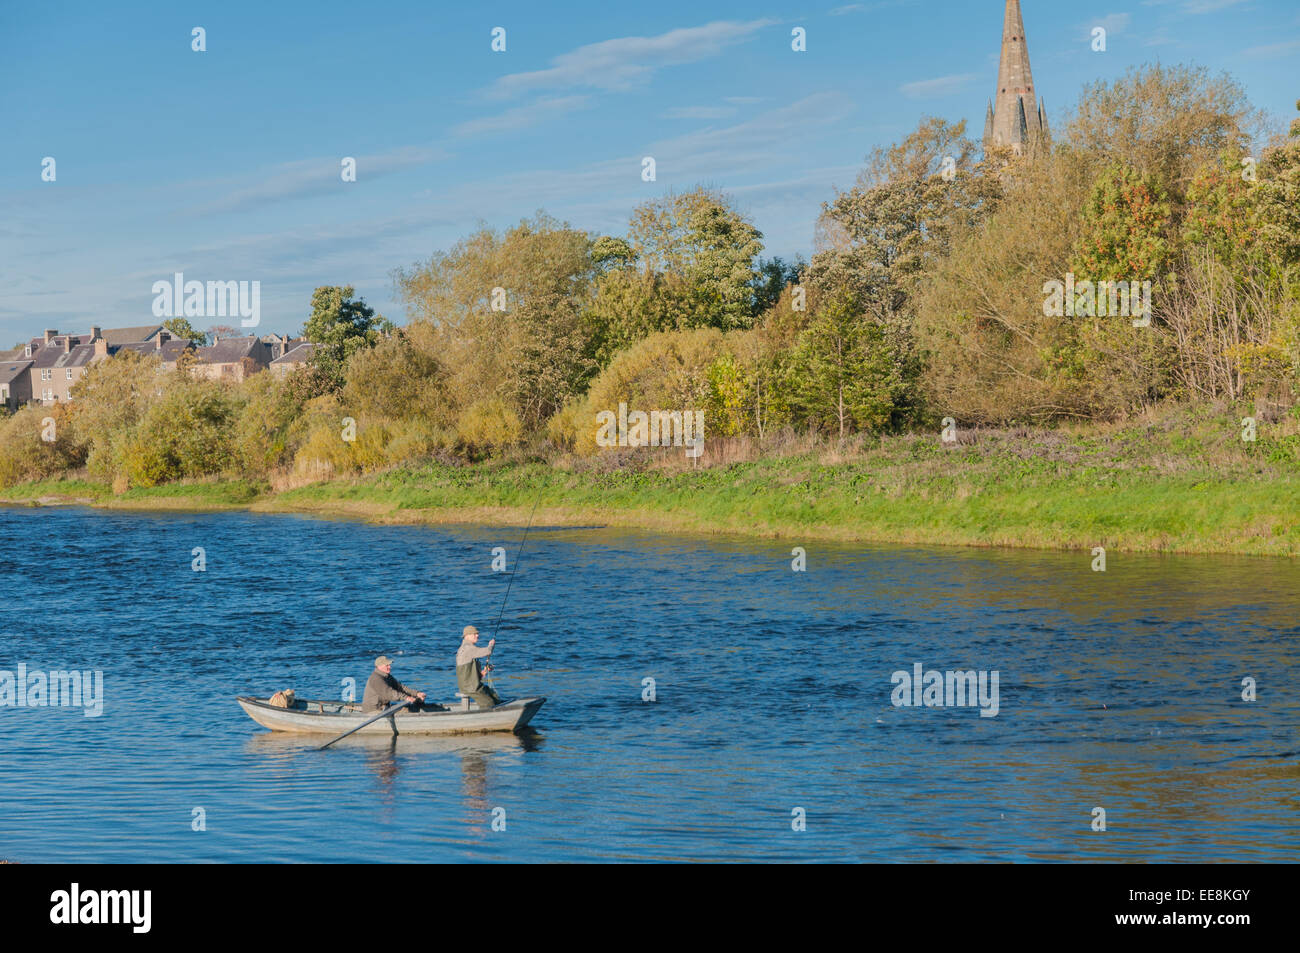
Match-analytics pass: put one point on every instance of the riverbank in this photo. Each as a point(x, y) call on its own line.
point(1177, 484)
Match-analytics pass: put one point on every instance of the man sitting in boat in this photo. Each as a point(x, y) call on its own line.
point(382, 689)
point(469, 672)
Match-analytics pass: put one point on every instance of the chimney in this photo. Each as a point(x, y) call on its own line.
point(67, 344)
point(94, 332)
point(101, 346)
point(49, 335)
point(162, 338)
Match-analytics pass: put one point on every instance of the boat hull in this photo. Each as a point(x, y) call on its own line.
point(334, 718)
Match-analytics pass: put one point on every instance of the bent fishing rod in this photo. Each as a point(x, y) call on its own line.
point(518, 556)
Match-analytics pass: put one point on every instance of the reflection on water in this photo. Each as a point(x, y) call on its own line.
point(1120, 690)
point(384, 755)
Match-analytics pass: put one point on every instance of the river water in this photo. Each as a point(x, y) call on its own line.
point(772, 734)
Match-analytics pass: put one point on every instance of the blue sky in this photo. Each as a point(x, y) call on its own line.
point(225, 164)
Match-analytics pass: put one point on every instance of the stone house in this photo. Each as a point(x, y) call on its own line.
point(15, 383)
point(55, 362)
point(297, 356)
point(162, 346)
point(58, 362)
point(232, 359)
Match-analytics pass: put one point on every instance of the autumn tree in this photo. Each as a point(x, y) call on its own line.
point(688, 261)
point(508, 310)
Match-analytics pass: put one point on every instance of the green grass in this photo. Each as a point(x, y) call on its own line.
point(214, 494)
point(1181, 481)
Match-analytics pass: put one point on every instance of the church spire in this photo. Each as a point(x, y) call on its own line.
point(1017, 118)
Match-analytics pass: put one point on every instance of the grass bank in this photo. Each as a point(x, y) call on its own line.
point(207, 495)
point(1175, 482)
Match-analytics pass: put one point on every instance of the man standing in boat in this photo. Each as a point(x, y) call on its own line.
point(469, 672)
point(382, 689)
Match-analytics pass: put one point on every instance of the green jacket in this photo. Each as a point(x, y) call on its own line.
point(469, 674)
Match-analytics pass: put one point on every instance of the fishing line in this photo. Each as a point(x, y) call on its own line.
point(518, 556)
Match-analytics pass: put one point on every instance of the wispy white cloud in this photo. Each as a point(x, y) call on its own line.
point(868, 7)
point(699, 112)
point(1209, 6)
point(1113, 23)
point(625, 62)
point(1195, 7)
point(314, 176)
point(939, 86)
point(521, 117)
point(762, 160)
point(1271, 50)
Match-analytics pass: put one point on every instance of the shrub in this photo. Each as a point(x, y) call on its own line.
point(25, 454)
point(188, 433)
point(488, 426)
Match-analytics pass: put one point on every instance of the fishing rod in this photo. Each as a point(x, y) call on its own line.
point(518, 555)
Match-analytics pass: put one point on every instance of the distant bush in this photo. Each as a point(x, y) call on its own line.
point(109, 403)
point(489, 426)
point(265, 434)
point(665, 371)
point(26, 455)
point(188, 433)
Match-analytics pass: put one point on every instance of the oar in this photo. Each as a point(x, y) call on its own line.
point(385, 712)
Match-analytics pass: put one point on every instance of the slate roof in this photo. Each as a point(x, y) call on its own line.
point(53, 354)
point(168, 353)
point(118, 336)
point(12, 370)
point(298, 354)
point(229, 351)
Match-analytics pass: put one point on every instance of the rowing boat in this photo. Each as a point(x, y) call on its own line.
point(307, 716)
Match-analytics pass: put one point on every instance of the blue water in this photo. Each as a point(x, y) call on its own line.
point(1120, 690)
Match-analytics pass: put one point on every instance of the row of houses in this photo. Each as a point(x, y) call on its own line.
point(46, 369)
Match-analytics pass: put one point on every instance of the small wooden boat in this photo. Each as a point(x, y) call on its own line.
point(307, 716)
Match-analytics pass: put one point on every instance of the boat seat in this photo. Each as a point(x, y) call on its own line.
point(464, 701)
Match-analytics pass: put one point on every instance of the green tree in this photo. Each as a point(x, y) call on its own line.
point(182, 330)
point(1279, 198)
point(1222, 210)
point(1124, 228)
point(340, 326)
point(771, 277)
point(111, 400)
point(508, 310)
point(400, 377)
point(843, 376)
point(1166, 122)
point(878, 239)
point(188, 433)
point(688, 262)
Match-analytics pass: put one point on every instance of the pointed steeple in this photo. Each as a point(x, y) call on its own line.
point(1016, 116)
point(988, 123)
